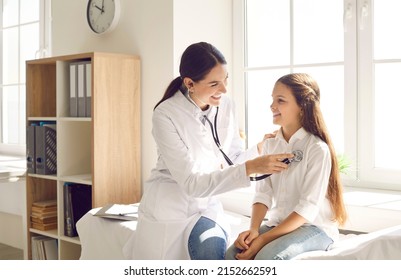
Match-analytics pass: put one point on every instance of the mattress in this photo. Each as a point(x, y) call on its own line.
point(105, 239)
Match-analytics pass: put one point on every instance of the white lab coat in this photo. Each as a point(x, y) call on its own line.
point(187, 177)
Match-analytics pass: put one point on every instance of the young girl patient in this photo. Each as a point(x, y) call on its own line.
point(303, 204)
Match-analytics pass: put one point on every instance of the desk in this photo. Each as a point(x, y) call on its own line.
point(12, 201)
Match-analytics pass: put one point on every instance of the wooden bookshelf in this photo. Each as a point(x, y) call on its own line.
point(102, 151)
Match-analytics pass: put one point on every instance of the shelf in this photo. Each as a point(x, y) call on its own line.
point(70, 239)
point(79, 178)
point(47, 177)
point(42, 119)
point(50, 233)
point(75, 119)
point(101, 151)
point(85, 179)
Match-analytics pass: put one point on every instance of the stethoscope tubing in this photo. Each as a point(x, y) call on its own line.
point(228, 160)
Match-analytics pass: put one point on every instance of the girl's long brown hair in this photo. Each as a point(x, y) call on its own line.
point(307, 94)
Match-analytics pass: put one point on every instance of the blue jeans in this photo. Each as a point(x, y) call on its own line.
point(304, 239)
point(207, 241)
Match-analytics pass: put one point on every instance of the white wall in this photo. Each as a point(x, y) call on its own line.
point(156, 30)
point(203, 20)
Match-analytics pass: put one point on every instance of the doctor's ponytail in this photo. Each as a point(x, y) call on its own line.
point(172, 88)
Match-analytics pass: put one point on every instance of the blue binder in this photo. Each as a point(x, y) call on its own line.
point(46, 148)
point(30, 148)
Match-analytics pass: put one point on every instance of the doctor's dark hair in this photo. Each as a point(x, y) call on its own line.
point(196, 62)
point(307, 94)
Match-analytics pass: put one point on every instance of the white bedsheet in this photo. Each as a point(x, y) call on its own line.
point(379, 245)
point(105, 239)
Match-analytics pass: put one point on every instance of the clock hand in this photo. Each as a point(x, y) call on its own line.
point(101, 9)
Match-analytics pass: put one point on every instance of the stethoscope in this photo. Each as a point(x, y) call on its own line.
point(298, 155)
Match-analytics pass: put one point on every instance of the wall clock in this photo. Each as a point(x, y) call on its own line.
point(103, 15)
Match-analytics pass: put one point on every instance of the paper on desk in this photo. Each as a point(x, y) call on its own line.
point(119, 211)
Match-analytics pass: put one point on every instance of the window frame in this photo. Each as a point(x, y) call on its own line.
point(358, 116)
point(43, 51)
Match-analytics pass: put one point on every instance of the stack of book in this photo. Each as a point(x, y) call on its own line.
point(44, 215)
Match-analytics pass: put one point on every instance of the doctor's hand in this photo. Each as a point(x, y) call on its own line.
point(265, 137)
point(267, 164)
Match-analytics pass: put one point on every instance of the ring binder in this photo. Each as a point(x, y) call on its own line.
point(73, 90)
point(81, 89)
point(30, 148)
point(45, 148)
point(77, 202)
point(88, 89)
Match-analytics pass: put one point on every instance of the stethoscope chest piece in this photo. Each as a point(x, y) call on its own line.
point(298, 156)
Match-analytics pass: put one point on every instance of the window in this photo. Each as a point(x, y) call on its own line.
point(352, 50)
point(24, 36)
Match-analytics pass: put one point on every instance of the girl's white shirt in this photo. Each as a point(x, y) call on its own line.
point(302, 188)
point(189, 173)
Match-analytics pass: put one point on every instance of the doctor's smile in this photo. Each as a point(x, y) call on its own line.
point(208, 92)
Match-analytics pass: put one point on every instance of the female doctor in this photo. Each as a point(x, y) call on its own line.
point(179, 214)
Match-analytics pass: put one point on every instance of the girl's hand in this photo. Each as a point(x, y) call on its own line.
point(251, 252)
point(245, 238)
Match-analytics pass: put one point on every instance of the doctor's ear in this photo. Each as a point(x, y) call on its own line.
point(188, 82)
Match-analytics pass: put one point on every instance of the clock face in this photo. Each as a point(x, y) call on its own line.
point(103, 15)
